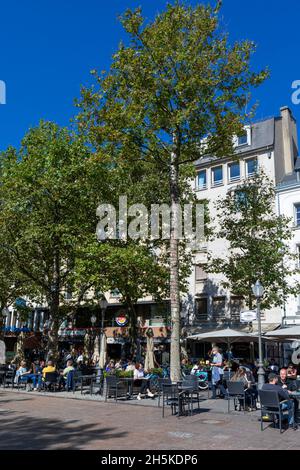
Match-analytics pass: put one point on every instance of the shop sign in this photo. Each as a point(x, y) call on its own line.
point(71, 332)
point(115, 340)
point(248, 316)
point(121, 319)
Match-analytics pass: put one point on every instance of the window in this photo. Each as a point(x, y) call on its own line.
point(240, 199)
point(201, 308)
point(298, 256)
point(219, 307)
point(251, 166)
point(217, 176)
point(242, 139)
point(236, 306)
point(201, 275)
point(115, 293)
point(201, 180)
point(297, 215)
point(234, 171)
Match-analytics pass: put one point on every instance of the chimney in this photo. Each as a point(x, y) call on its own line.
point(287, 139)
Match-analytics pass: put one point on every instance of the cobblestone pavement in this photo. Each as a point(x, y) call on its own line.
point(33, 421)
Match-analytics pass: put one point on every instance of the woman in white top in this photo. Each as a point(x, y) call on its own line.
point(139, 375)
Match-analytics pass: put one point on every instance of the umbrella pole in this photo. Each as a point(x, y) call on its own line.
point(228, 352)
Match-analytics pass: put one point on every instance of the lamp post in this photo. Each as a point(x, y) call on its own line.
point(5, 313)
point(258, 292)
point(93, 320)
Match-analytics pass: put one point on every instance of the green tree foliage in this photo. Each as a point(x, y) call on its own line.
point(47, 208)
point(175, 92)
point(258, 243)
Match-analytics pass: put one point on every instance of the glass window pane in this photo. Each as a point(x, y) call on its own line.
point(201, 307)
point(217, 175)
point(243, 139)
point(251, 166)
point(202, 179)
point(240, 199)
point(219, 306)
point(234, 171)
point(297, 215)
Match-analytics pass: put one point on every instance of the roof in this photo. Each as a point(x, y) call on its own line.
point(291, 178)
point(262, 136)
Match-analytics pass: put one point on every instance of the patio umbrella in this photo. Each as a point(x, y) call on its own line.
point(149, 359)
point(285, 333)
point(227, 335)
point(102, 360)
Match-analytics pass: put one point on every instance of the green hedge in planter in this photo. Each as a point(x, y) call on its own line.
point(119, 373)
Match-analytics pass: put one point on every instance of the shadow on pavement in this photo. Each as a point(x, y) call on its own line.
point(43, 433)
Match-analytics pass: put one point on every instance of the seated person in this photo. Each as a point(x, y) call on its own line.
point(250, 393)
point(195, 368)
point(291, 371)
point(290, 385)
point(63, 380)
point(37, 368)
point(49, 368)
point(283, 394)
point(110, 366)
point(139, 376)
point(130, 366)
point(273, 366)
point(22, 373)
point(118, 365)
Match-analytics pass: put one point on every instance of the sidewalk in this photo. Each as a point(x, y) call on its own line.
point(214, 406)
point(35, 421)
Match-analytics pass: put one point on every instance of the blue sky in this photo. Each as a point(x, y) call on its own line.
point(47, 49)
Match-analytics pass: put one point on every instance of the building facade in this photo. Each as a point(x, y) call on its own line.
point(270, 144)
point(288, 204)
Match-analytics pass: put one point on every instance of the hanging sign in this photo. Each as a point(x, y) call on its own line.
point(248, 316)
point(121, 319)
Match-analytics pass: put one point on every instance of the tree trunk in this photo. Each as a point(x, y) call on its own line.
point(175, 368)
point(54, 308)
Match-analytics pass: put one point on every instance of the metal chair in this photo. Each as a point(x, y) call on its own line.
point(96, 385)
point(9, 378)
point(236, 392)
point(192, 381)
point(161, 383)
point(113, 386)
point(50, 381)
point(22, 380)
point(170, 397)
point(270, 405)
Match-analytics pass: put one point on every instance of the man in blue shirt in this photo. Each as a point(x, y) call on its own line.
point(284, 397)
point(217, 373)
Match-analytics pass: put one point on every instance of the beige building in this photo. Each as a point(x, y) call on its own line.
point(270, 144)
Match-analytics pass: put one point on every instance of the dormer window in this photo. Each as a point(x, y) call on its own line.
point(242, 139)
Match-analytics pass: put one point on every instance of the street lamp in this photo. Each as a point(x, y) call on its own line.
point(93, 320)
point(5, 313)
point(103, 306)
point(258, 292)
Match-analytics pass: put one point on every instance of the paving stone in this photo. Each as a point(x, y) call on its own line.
point(37, 421)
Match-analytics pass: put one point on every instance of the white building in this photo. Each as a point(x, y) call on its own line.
point(288, 204)
point(271, 144)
